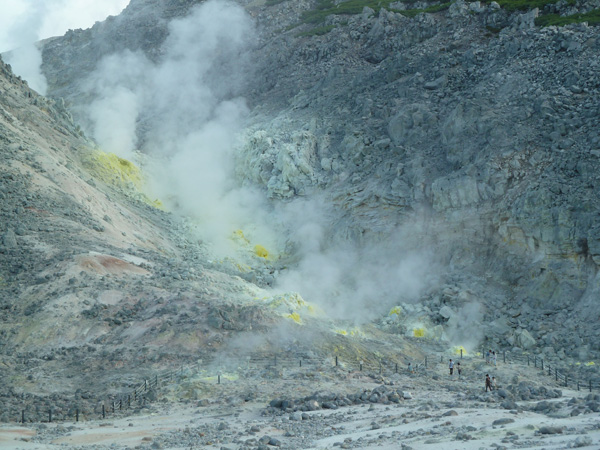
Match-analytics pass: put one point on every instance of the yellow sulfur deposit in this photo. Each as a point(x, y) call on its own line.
point(396, 310)
point(260, 251)
point(591, 363)
point(292, 300)
point(295, 317)
point(457, 350)
point(116, 171)
point(290, 305)
point(120, 173)
point(239, 235)
point(419, 332)
point(355, 332)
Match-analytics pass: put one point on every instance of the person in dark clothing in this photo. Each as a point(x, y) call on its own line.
point(451, 367)
point(488, 382)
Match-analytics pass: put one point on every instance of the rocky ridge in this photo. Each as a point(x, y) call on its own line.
point(94, 277)
point(471, 123)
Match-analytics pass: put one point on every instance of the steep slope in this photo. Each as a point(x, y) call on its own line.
point(87, 262)
point(99, 288)
point(471, 124)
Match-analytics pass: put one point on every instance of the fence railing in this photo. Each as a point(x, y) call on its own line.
point(215, 370)
point(560, 375)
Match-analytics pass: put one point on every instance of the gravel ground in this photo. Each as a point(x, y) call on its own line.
point(341, 409)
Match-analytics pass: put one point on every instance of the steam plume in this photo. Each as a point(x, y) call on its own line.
point(191, 109)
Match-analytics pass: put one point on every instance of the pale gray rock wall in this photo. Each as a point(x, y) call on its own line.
point(472, 121)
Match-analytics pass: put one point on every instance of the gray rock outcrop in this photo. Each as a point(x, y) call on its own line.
point(472, 122)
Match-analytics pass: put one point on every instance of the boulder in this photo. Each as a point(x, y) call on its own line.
point(524, 339)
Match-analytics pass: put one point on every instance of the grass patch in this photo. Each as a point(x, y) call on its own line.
point(273, 2)
point(325, 8)
point(592, 18)
point(525, 5)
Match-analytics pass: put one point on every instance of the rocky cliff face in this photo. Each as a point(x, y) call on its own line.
point(93, 276)
point(473, 124)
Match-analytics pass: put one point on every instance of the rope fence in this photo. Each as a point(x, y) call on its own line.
point(215, 370)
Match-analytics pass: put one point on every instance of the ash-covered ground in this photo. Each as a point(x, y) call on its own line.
point(331, 407)
point(404, 186)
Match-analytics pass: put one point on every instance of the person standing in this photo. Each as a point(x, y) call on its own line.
point(494, 386)
point(451, 367)
point(494, 358)
point(458, 369)
point(488, 382)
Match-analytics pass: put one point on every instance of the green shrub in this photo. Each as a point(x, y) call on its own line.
point(592, 18)
point(524, 5)
point(325, 8)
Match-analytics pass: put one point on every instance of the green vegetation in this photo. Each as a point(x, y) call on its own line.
point(351, 7)
point(592, 18)
point(524, 5)
point(325, 8)
point(273, 2)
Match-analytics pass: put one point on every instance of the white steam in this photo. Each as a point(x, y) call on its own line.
point(24, 22)
point(190, 111)
point(465, 327)
point(26, 58)
point(189, 108)
point(350, 280)
point(119, 87)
